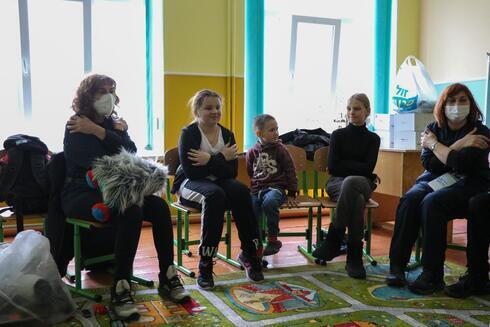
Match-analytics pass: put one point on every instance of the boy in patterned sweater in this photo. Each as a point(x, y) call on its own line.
point(273, 177)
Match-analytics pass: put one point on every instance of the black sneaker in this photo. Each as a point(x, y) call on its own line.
point(426, 284)
point(252, 266)
point(205, 277)
point(396, 277)
point(122, 303)
point(171, 287)
point(467, 285)
point(272, 247)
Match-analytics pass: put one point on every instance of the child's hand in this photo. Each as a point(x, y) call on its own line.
point(199, 158)
point(230, 152)
point(291, 202)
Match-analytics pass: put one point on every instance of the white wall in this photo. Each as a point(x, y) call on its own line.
point(454, 39)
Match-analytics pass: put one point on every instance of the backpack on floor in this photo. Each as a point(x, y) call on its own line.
point(23, 173)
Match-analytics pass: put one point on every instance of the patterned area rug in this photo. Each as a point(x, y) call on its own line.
point(302, 296)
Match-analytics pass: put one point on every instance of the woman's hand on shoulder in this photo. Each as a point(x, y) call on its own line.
point(427, 138)
point(120, 124)
point(471, 140)
point(82, 124)
point(230, 151)
point(198, 157)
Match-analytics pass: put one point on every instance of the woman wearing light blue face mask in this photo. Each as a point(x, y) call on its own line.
point(94, 132)
point(454, 156)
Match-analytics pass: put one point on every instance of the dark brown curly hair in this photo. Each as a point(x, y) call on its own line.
point(83, 103)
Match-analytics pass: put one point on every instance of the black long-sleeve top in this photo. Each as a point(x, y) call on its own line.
point(81, 149)
point(470, 161)
point(190, 138)
point(353, 151)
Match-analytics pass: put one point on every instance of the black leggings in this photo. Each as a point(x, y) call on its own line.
point(78, 204)
point(214, 197)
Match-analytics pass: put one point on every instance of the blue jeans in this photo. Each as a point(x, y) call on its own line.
point(268, 201)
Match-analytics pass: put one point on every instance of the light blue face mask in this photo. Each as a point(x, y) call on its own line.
point(105, 105)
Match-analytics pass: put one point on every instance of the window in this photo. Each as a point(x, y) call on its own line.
point(316, 54)
point(53, 44)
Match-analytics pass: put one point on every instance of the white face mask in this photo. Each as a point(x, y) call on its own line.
point(457, 113)
point(105, 105)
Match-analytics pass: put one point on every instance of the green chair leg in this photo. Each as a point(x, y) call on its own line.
point(227, 258)
point(186, 235)
point(417, 263)
point(367, 250)
point(180, 243)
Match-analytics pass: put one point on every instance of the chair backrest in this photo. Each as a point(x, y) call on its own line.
point(171, 159)
point(320, 159)
point(320, 170)
point(299, 157)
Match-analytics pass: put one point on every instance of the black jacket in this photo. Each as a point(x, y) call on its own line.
point(308, 139)
point(471, 162)
point(81, 149)
point(190, 138)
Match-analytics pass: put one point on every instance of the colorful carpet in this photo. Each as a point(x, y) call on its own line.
point(302, 296)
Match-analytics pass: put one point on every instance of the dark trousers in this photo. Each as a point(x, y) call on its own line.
point(478, 229)
point(351, 194)
point(421, 206)
point(128, 228)
point(213, 198)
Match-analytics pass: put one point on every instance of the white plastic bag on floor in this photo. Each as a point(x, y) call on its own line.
point(31, 290)
point(414, 89)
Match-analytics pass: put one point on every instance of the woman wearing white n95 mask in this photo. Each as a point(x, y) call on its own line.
point(92, 133)
point(454, 155)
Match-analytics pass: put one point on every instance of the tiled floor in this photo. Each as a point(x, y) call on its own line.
point(146, 264)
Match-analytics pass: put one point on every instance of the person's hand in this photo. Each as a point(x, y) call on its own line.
point(198, 157)
point(471, 140)
point(230, 151)
point(120, 125)
point(81, 124)
point(291, 202)
point(427, 138)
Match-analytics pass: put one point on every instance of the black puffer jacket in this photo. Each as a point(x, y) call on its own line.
point(308, 139)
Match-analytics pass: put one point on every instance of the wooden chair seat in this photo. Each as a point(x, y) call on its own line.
point(327, 202)
point(188, 210)
point(304, 201)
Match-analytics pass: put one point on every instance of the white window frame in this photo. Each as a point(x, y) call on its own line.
point(335, 24)
point(155, 68)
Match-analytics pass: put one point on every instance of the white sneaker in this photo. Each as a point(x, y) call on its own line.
point(171, 287)
point(122, 303)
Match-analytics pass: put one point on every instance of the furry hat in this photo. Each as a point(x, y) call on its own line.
point(125, 179)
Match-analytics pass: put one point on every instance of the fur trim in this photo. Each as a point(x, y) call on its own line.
point(125, 179)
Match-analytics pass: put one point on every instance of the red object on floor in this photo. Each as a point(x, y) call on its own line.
point(99, 309)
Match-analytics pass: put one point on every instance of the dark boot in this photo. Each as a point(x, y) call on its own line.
point(396, 277)
point(469, 284)
point(330, 247)
point(427, 283)
point(354, 264)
